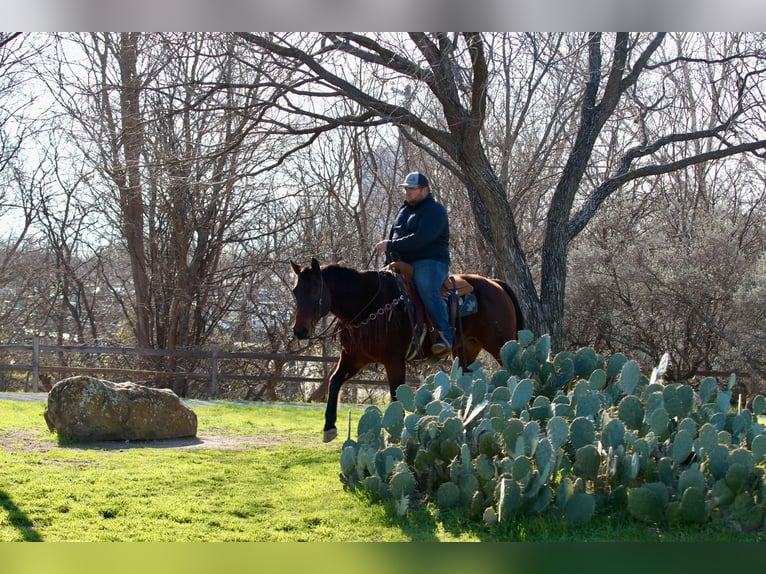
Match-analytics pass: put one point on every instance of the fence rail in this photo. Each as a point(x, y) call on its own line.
point(208, 365)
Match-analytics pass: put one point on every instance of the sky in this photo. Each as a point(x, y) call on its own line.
point(385, 15)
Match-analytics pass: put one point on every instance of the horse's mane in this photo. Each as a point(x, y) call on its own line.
point(344, 272)
point(339, 270)
point(347, 279)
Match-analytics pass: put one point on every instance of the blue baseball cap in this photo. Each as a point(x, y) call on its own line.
point(415, 179)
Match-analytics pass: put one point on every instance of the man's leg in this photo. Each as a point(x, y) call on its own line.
point(429, 276)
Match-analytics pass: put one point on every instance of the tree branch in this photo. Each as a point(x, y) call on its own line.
point(480, 77)
point(390, 112)
point(586, 213)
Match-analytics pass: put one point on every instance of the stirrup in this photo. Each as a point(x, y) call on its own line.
point(416, 344)
point(441, 347)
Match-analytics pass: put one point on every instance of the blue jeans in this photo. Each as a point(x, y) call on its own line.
point(429, 276)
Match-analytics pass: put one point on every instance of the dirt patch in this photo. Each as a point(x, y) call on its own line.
point(24, 441)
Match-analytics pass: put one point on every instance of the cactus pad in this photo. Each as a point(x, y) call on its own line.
point(522, 394)
point(708, 390)
point(402, 484)
point(631, 412)
point(508, 356)
point(587, 462)
point(647, 503)
point(393, 419)
point(585, 362)
point(682, 446)
point(629, 377)
point(613, 434)
point(448, 495)
point(693, 507)
point(580, 509)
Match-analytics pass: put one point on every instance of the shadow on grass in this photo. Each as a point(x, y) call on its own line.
point(19, 519)
point(423, 524)
point(66, 442)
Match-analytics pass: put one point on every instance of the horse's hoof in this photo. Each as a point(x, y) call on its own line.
point(330, 434)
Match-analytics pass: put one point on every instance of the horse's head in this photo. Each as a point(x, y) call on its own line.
point(311, 298)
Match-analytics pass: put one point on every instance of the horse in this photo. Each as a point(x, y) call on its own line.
point(374, 325)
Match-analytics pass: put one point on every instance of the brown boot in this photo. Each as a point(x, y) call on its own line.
point(441, 347)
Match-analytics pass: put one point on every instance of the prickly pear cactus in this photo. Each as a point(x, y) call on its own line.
point(567, 435)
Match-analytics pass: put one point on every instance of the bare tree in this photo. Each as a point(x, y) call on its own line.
point(349, 194)
point(615, 78)
point(14, 56)
point(662, 267)
point(18, 181)
point(166, 124)
point(65, 223)
point(95, 80)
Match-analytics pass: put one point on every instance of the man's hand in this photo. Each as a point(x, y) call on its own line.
point(380, 247)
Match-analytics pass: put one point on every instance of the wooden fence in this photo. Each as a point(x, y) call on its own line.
point(212, 369)
point(210, 365)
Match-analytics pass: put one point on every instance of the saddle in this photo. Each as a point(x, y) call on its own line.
point(456, 290)
point(452, 283)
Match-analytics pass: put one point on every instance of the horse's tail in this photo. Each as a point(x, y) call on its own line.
point(520, 323)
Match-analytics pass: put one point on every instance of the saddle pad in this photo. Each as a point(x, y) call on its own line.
point(468, 305)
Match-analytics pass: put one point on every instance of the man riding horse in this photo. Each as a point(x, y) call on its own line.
point(420, 237)
point(374, 320)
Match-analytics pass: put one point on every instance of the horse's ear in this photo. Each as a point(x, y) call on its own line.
point(314, 264)
point(296, 267)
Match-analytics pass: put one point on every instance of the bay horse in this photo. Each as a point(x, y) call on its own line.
point(374, 326)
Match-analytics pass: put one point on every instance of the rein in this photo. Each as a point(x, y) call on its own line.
point(351, 324)
point(375, 314)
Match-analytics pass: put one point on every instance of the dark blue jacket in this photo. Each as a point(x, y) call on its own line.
point(420, 232)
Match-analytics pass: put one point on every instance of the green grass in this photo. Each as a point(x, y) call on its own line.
point(287, 490)
point(282, 487)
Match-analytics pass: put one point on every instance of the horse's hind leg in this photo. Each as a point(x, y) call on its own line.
point(344, 370)
point(467, 351)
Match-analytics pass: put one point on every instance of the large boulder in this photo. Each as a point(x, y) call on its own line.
point(89, 409)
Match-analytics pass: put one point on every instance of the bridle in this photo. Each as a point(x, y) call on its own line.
point(320, 302)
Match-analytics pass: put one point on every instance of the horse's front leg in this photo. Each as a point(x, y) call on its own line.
point(344, 370)
point(396, 371)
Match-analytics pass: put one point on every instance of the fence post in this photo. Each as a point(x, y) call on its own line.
point(35, 362)
point(214, 373)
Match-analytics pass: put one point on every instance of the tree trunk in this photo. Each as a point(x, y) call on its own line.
point(130, 195)
point(494, 217)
